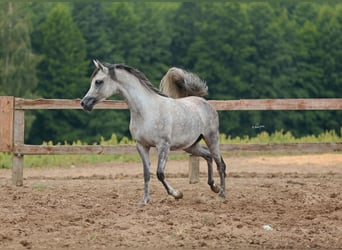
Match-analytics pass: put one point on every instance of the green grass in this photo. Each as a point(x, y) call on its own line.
point(40, 187)
point(283, 137)
point(69, 160)
point(5, 160)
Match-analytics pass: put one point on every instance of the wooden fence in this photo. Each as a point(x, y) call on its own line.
point(12, 126)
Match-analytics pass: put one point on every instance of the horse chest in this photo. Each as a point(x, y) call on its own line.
point(149, 130)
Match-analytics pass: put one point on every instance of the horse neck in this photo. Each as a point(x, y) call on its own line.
point(138, 98)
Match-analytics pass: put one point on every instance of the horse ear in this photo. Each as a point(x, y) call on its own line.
point(100, 66)
point(96, 62)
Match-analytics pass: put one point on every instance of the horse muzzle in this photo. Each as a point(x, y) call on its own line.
point(88, 103)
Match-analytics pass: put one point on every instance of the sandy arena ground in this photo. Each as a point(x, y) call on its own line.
point(292, 202)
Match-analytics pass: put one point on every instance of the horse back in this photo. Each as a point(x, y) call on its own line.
point(198, 106)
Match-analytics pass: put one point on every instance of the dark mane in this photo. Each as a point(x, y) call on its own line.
point(138, 74)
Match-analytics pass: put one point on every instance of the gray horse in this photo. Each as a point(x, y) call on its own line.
point(161, 121)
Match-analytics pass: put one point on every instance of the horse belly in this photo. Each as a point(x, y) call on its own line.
point(186, 133)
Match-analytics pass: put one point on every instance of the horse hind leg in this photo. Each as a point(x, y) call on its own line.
point(199, 150)
point(214, 148)
point(223, 175)
point(224, 167)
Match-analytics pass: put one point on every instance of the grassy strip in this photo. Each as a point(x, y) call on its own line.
point(69, 160)
point(284, 137)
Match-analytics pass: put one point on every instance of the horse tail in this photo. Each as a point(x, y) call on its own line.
point(178, 83)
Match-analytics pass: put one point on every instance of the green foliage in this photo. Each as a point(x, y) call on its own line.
point(5, 160)
point(94, 30)
point(17, 62)
point(60, 73)
point(283, 137)
point(242, 50)
point(184, 31)
point(153, 38)
point(62, 68)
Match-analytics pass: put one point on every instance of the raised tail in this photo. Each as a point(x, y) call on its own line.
point(178, 83)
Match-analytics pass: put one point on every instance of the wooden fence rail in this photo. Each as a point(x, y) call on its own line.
point(260, 104)
point(12, 111)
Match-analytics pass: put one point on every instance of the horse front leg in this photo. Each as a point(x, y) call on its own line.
point(163, 152)
point(144, 155)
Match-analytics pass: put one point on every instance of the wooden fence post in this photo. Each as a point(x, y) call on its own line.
point(18, 139)
point(193, 169)
point(6, 123)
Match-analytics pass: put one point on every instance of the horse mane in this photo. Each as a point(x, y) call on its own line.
point(138, 74)
point(178, 83)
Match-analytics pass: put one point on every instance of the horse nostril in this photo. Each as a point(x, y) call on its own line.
point(88, 103)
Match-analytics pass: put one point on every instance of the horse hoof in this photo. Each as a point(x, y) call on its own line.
point(215, 188)
point(178, 195)
point(222, 195)
point(144, 201)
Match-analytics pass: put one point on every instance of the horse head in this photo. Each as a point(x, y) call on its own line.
point(102, 85)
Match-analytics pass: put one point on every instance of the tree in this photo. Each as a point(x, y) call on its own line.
point(92, 20)
point(309, 72)
point(330, 49)
point(185, 29)
point(220, 53)
point(254, 50)
point(141, 36)
point(61, 75)
point(123, 32)
point(328, 57)
point(155, 34)
point(64, 63)
point(17, 62)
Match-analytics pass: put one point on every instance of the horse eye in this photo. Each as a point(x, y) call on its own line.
point(98, 82)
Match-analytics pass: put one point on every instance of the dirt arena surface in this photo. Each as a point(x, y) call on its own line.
point(282, 202)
